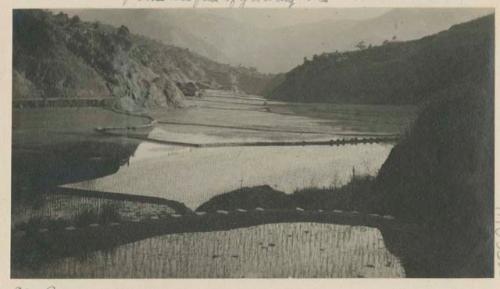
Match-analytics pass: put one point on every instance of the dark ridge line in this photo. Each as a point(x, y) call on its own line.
point(136, 114)
point(103, 129)
point(62, 102)
point(151, 140)
point(341, 116)
point(234, 109)
point(353, 218)
point(229, 102)
point(240, 127)
point(388, 139)
point(303, 143)
point(153, 122)
point(112, 196)
point(228, 96)
point(362, 119)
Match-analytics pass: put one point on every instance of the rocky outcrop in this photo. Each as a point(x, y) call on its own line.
point(188, 88)
point(23, 87)
point(60, 57)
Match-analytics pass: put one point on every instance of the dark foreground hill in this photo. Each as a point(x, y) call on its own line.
point(58, 56)
point(393, 73)
point(441, 177)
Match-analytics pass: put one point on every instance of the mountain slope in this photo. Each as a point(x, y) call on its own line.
point(330, 35)
point(170, 28)
point(394, 73)
point(58, 56)
point(276, 40)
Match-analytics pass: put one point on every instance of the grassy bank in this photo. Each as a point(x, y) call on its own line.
point(335, 197)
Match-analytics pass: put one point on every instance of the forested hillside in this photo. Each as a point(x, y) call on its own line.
point(59, 56)
point(441, 177)
point(393, 73)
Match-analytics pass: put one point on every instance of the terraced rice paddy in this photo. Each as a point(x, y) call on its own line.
point(192, 175)
point(274, 251)
point(69, 208)
point(63, 125)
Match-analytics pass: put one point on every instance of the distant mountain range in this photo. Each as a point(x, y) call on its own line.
point(397, 72)
point(246, 38)
point(60, 56)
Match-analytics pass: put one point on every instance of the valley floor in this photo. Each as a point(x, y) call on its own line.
point(193, 175)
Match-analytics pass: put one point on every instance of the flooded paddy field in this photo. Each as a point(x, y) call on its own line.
point(256, 118)
point(63, 125)
point(72, 155)
point(273, 251)
point(175, 174)
point(142, 148)
point(85, 207)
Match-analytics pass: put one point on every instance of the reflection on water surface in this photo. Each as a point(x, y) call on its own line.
point(194, 175)
point(273, 251)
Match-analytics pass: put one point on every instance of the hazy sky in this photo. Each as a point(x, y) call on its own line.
point(285, 17)
point(266, 18)
point(276, 40)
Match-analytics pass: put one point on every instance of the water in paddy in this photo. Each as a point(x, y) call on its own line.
point(274, 251)
point(194, 175)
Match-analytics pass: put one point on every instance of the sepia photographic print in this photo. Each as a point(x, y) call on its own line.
point(252, 143)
